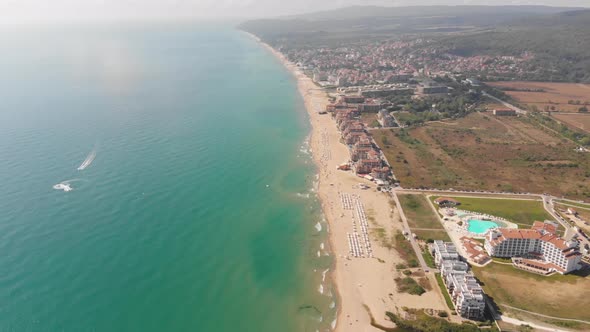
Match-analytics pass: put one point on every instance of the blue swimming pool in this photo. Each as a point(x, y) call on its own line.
point(480, 226)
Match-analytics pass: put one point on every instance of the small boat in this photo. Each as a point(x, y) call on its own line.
point(63, 186)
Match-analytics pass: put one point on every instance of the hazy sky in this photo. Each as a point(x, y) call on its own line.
point(33, 10)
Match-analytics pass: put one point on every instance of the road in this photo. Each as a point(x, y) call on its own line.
point(518, 110)
point(549, 207)
point(583, 240)
point(413, 242)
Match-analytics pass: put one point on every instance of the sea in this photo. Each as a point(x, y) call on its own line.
point(156, 177)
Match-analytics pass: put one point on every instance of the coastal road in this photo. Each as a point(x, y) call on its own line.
point(518, 110)
point(413, 242)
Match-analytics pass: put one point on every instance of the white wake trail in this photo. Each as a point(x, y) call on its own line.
point(89, 159)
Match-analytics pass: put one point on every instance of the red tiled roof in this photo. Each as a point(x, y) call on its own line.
point(509, 233)
point(547, 227)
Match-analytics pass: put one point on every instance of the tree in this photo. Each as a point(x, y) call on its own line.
point(583, 109)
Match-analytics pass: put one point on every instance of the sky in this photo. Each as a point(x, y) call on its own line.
point(21, 11)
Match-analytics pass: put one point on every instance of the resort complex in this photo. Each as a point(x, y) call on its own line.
point(466, 294)
point(365, 157)
point(538, 249)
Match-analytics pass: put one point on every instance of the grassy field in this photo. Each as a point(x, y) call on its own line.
point(444, 292)
point(563, 296)
point(418, 212)
point(485, 152)
point(574, 204)
point(434, 235)
point(428, 259)
point(549, 96)
point(522, 212)
point(405, 250)
point(579, 121)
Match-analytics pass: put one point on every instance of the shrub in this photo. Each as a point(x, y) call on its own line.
point(409, 285)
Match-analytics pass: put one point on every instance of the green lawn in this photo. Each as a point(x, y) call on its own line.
point(428, 259)
point(523, 212)
point(444, 291)
point(434, 235)
point(418, 212)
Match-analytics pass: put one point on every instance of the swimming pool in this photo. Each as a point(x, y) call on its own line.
point(480, 226)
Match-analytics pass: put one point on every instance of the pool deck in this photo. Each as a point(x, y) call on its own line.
point(456, 227)
point(461, 219)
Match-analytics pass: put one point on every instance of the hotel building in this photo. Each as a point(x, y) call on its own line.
point(537, 249)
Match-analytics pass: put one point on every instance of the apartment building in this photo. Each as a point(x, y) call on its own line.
point(466, 293)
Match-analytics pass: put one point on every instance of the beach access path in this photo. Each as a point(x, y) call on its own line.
point(408, 231)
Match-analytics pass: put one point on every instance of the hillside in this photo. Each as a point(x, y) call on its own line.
point(560, 42)
point(382, 22)
point(558, 38)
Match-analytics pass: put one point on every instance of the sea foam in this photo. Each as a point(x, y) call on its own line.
point(318, 227)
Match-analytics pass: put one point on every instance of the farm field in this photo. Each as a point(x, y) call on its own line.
point(485, 152)
point(576, 121)
point(507, 285)
point(521, 212)
point(550, 95)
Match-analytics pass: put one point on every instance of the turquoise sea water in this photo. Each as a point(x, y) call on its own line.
point(197, 213)
point(480, 226)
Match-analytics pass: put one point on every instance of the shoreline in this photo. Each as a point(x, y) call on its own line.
point(312, 133)
point(365, 286)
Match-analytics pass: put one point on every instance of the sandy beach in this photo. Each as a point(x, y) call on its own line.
point(364, 283)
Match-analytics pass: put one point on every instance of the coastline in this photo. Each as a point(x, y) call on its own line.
point(364, 287)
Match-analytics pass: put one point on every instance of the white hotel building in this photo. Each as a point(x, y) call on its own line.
point(537, 249)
